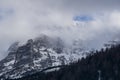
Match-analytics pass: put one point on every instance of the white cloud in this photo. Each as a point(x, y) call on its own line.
point(30, 18)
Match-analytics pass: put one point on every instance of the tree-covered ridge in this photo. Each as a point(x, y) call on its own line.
point(98, 65)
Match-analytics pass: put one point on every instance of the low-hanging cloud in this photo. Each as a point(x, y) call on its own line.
point(24, 19)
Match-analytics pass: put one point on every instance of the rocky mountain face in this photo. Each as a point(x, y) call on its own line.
point(38, 54)
point(98, 65)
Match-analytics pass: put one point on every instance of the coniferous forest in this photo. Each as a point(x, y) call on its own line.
point(98, 65)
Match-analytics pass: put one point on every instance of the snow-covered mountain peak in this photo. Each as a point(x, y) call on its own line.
point(38, 54)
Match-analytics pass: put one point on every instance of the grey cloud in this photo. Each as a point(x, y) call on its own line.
point(30, 18)
point(83, 5)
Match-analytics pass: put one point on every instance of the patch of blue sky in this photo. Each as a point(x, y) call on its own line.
point(83, 18)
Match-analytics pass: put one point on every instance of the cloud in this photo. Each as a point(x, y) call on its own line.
point(25, 19)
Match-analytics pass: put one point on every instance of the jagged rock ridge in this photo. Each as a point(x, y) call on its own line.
point(38, 54)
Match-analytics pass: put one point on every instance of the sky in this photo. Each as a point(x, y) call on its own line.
point(93, 21)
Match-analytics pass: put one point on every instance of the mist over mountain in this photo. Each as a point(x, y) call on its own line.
point(22, 20)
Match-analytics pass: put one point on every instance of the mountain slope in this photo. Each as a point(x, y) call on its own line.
point(99, 65)
point(38, 54)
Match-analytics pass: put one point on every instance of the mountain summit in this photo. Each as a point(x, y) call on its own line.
point(38, 54)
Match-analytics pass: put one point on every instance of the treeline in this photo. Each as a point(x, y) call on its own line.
point(98, 65)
